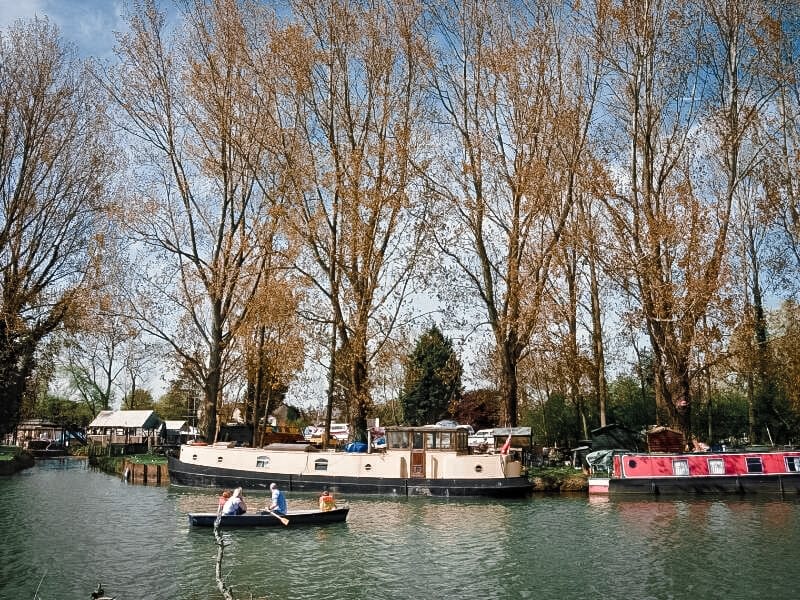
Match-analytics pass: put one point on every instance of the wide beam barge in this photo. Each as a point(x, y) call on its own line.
point(417, 461)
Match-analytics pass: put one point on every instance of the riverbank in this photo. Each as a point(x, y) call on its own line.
point(14, 459)
point(557, 480)
point(146, 469)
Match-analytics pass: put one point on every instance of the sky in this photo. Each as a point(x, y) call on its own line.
point(88, 24)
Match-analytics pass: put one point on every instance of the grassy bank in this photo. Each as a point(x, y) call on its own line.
point(114, 464)
point(558, 479)
point(14, 459)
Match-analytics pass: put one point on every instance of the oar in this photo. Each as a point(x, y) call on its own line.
point(283, 520)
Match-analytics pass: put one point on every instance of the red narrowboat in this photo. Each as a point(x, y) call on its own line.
point(621, 471)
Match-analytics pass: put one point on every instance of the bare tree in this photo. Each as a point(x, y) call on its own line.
point(514, 140)
point(203, 196)
point(685, 107)
point(55, 166)
point(352, 130)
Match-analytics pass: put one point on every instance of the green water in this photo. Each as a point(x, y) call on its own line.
point(67, 527)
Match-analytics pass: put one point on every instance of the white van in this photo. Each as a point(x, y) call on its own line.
point(339, 432)
point(482, 436)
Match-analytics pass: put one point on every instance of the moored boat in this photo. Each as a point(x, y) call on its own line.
point(422, 461)
point(270, 519)
point(745, 472)
point(46, 448)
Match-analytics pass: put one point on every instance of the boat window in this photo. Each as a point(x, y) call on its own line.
point(367, 467)
point(417, 440)
point(262, 461)
point(680, 467)
point(430, 441)
point(219, 459)
point(793, 464)
point(478, 468)
point(461, 438)
point(716, 466)
point(444, 440)
point(397, 439)
point(754, 465)
point(321, 464)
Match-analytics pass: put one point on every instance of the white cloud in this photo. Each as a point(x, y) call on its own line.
point(88, 24)
point(13, 10)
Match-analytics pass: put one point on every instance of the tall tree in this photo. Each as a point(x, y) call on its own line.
point(272, 350)
point(205, 194)
point(432, 385)
point(739, 68)
point(352, 117)
point(55, 166)
point(671, 94)
point(513, 144)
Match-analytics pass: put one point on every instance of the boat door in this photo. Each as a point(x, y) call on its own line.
point(417, 455)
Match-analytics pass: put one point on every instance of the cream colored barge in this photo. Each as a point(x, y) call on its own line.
point(430, 461)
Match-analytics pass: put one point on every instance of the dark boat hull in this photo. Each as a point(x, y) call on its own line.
point(181, 473)
point(741, 484)
point(265, 519)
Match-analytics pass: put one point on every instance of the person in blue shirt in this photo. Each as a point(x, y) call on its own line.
point(278, 504)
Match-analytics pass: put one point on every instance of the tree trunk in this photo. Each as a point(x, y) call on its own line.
point(599, 362)
point(509, 385)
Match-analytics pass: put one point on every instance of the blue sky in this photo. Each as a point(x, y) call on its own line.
point(88, 24)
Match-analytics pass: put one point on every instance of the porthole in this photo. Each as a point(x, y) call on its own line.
point(194, 456)
point(367, 467)
point(478, 468)
point(632, 464)
point(219, 459)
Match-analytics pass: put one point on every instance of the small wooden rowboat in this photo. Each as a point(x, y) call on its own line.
point(269, 519)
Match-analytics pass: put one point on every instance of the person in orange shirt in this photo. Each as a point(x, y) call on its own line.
point(326, 501)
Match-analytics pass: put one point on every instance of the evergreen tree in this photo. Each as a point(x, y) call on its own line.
point(432, 384)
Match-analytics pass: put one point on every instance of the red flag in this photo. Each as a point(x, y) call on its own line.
point(507, 445)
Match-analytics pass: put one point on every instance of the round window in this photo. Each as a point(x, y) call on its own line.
point(219, 459)
point(478, 468)
point(194, 456)
point(367, 467)
point(632, 464)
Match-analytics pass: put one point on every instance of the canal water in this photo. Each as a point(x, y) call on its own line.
point(67, 527)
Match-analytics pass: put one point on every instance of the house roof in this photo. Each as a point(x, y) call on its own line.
point(146, 419)
point(174, 425)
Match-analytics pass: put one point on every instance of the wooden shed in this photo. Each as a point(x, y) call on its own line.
point(664, 439)
point(124, 427)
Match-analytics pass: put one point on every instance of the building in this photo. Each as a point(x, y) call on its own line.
point(175, 433)
point(125, 428)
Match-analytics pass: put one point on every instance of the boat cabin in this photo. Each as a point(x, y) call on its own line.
point(429, 437)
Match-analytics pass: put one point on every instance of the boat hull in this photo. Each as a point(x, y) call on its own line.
point(266, 519)
point(741, 484)
point(197, 475)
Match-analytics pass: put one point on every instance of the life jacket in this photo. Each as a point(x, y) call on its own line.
point(327, 502)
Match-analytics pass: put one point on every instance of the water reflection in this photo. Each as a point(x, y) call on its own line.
point(83, 526)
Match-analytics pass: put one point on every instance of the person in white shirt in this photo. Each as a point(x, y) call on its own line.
point(235, 504)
